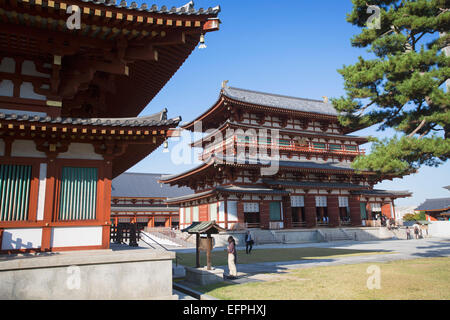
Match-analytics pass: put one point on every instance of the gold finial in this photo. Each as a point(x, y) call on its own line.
point(325, 99)
point(224, 84)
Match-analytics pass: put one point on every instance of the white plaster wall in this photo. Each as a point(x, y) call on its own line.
point(7, 65)
point(27, 92)
point(29, 69)
point(25, 148)
point(80, 151)
point(221, 211)
point(41, 192)
point(6, 88)
point(232, 211)
point(439, 229)
point(21, 238)
point(76, 236)
point(2, 147)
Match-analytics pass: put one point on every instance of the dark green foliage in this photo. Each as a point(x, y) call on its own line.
point(403, 86)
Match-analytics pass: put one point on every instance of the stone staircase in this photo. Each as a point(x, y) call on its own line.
point(335, 234)
point(170, 236)
point(265, 237)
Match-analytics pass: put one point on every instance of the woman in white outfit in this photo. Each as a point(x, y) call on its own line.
point(232, 257)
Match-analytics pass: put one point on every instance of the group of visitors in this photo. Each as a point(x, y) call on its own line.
point(232, 253)
point(417, 232)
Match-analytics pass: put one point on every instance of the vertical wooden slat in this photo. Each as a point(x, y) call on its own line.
point(78, 193)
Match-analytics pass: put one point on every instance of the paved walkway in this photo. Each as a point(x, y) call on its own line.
point(395, 250)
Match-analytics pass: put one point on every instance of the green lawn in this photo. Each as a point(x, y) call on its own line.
point(219, 258)
point(423, 279)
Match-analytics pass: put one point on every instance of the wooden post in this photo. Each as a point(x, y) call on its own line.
point(197, 253)
point(208, 252)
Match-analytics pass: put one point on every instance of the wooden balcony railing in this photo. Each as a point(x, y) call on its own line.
point(230, 144)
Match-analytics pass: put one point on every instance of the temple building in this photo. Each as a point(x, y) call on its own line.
point(139, 198)
point(437, 209)
point(70, 96)
point(277, 162)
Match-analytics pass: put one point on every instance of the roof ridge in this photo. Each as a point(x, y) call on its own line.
point(278, 95)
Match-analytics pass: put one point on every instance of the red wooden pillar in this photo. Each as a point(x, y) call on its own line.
point(355, 210)
point(333, 211)
point(225, 209)
point(287, 212)
point(240, 212)
point(310, 211)
point(264, 214)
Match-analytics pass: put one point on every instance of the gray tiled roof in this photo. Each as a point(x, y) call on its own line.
point(144, 185)
point(157, 119)
point(143, 209)
point(386, 193)
point(434, 204)
point(330, 165)
point(279, 101)
point(231, 189)
point(250, 189)
point(187, 9)
point(314, 184)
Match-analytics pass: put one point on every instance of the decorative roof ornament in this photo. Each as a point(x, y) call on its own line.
point(225, 84)
point(325, 99)
point(187, 7)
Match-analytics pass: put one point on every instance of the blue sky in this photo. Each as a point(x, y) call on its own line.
point(290, 47)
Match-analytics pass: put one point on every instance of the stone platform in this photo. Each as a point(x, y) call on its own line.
point(203, 277)
point(95, 274)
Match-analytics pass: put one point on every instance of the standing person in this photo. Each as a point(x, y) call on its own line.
point(232, 257)
point(248, 242)
point(416, 232)
point(408, 233)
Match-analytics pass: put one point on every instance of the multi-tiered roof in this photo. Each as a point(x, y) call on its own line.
point(313, 150)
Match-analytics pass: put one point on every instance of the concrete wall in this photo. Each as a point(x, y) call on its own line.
point(99, 274)
point(439, 229)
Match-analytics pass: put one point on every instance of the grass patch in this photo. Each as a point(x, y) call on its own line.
point(219, 258)
point(422, 279)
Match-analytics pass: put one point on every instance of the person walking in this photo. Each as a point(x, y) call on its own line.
point(408, 233)
point(232, 257)
point(416, 232)
point(248, 242)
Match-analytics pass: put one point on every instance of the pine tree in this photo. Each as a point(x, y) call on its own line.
point(405, 86)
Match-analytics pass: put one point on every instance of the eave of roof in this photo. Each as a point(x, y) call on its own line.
point(383, 193)
point(143, 209)
point(309, 166)
point(156, 120)
point(306, 184)
point(325, 111)
point(203, 227)
point(232, 189)
point(437, 204)
point(232, 124)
